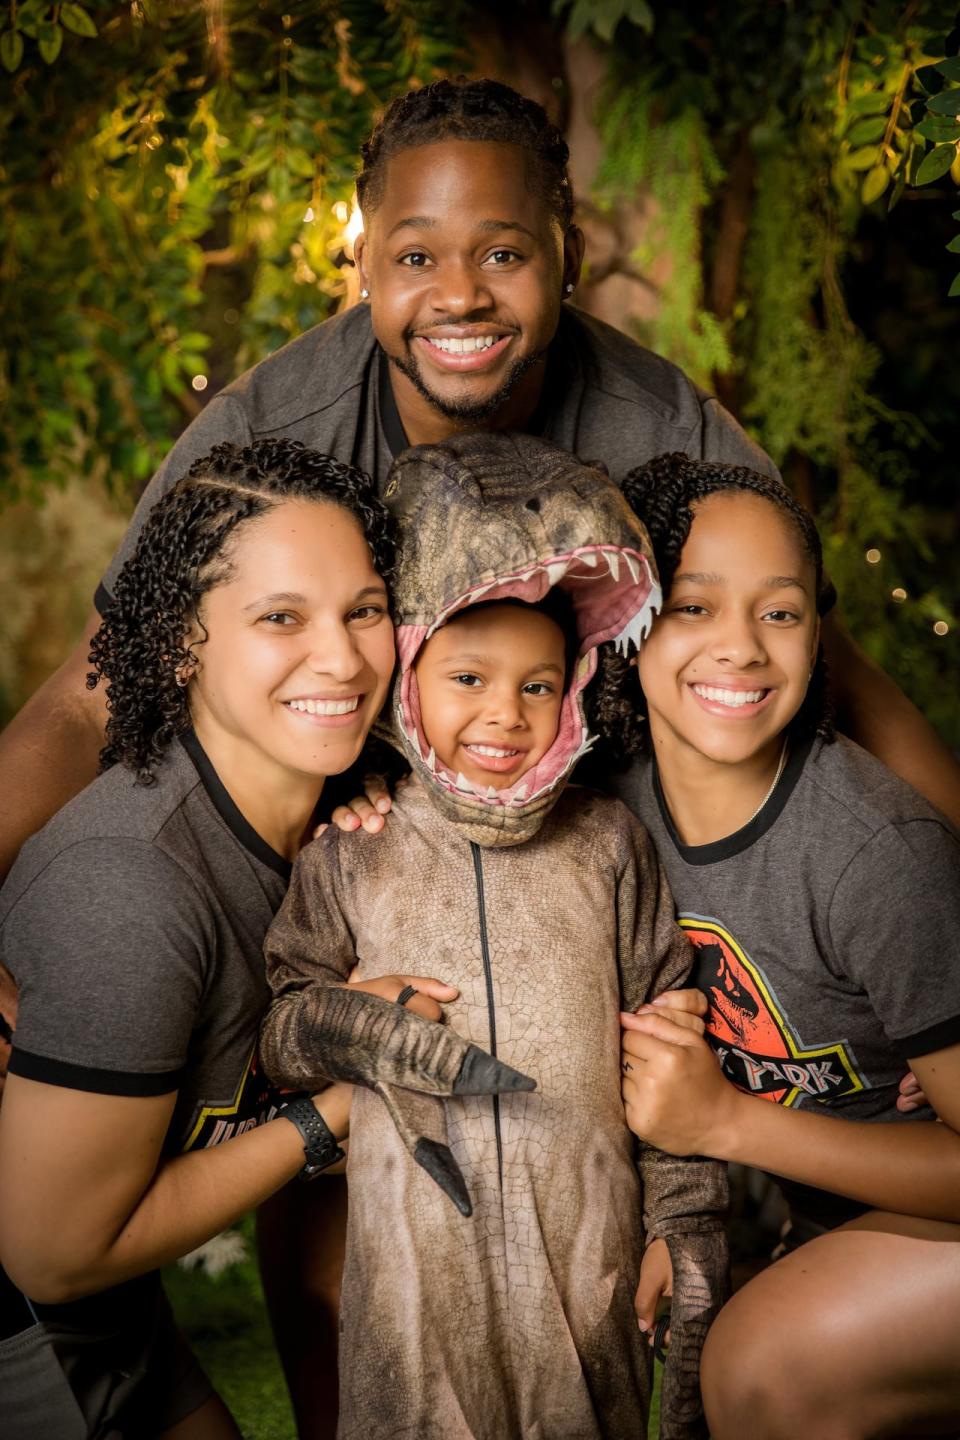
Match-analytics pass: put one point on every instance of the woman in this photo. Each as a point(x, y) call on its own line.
point(824, 897)
point(247, 651)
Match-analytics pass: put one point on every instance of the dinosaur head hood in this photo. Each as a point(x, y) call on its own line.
point(487, 517)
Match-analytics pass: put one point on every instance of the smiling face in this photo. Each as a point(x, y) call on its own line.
point(727, 664)
point(491, 684)
point(465, 263)
point(298, 651)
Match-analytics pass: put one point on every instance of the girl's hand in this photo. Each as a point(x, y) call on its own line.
point(656, 1282)
point(430, 993)
point(911, 1096)
point(674, 1092)
point(683, 1007)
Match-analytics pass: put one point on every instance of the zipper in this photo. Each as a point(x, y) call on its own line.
point(488, 977)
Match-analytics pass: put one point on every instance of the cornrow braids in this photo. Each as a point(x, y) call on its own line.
point(184, 550)
point(463, 109)
point(663, 494)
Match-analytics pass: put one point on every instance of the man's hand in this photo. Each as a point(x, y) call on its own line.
point(430, 993)
point(366, 810)
point(674, 1092)
point(656, 1282)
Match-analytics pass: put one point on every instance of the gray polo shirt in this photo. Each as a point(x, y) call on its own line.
point(605, 398)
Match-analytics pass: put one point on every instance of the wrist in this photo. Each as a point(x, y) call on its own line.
point(727, 1131)
point(333, 1107)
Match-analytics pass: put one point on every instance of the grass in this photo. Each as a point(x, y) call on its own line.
point(225, 1319)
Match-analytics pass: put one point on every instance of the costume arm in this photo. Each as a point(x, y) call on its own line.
point(684, 1200)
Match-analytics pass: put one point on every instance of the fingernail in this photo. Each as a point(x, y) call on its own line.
point(642, 1325)
point(383, 805)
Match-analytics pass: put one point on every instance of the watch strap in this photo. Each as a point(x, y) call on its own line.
point(320, 1146)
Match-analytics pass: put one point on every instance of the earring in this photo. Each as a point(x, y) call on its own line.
point(569, 287)
point(184, 674)
point(364, 294)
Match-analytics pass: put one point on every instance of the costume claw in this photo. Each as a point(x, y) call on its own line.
point(438, 1161)
point(483, 1074)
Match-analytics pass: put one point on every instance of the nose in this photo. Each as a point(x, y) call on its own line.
point(460, 288)
point(739, 640)
point(333, 652)
point(504, 709)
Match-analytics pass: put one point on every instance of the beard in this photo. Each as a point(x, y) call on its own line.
point(474, 411)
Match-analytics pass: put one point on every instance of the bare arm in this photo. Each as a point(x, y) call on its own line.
point(49, 752)
point(78, 1212)
point(874, 711)
point(677, 1097)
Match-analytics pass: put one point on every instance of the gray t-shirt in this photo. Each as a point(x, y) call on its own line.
point(605, 398)
point(828, 931)
point(134, 924)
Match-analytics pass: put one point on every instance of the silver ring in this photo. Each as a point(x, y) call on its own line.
point(407, 993)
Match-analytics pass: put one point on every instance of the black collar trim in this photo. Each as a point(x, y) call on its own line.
point(238, 825)
point(750, 833)
point(389, 414)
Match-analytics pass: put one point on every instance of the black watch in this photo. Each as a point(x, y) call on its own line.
point(319, 1142)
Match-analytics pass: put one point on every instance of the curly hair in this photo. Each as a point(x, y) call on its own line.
point(465, 109)
point(183, 551)
point(663, 494)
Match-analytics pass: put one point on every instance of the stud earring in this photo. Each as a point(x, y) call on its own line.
point(364, 294)
point(569, 287)
point(185, 673)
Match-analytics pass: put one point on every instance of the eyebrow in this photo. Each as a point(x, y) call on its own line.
point(291, 597)
point(426, 222)
point(771, 582)
point(462, 657)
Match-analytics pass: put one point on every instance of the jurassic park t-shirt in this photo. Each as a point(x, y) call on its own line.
point(827, 931)
point(134, 924)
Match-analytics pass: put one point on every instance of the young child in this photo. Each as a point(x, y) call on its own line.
point(823, 895)
point(547, 908)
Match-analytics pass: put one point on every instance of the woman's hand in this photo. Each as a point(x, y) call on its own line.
point(656, 1282)
point(683, 1007)
point(911, 1096)
point(365, 811)
point(430, 994)
point(674, 1092)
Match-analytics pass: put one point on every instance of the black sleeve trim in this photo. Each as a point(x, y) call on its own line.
point(101, 598)
point(937, 1037)
point(85, 1077)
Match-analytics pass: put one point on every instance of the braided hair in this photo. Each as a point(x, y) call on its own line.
point(663, 494)
point(465, 109)
point(183, 551)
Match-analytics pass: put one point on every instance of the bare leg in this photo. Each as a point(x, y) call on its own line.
point(855, 1336)
point(300, 1236)
point(212, 1421)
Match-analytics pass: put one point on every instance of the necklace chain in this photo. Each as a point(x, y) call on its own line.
point(773, 785)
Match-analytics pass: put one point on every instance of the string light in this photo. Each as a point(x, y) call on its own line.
point(308, 215)
point(873, 556)
point(941, 627)
point(341, 211)
point(199, 382)
point(899, 594)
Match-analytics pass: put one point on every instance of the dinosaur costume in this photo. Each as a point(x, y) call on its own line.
point(548, 909)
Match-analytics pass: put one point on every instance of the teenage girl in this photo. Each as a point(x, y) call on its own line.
point(247, 650)
point(824, 896)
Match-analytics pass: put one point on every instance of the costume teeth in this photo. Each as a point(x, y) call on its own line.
point(481, 590)
point(464, 784)
point(492, 792)
point(613, 560)
point(556, 571)
point(589, 557)
point(520, 795)
point(633, 567)
point(432, 760)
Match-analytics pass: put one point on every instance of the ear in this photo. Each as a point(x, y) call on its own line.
point(573, 248)
point(359, 256)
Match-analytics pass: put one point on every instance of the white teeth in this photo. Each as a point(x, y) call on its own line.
point(589, 557)
point(520, 794)
point(613, 560)
point(556, 571)
point(468, 346)
point(324, 707)
point(633, 567)
point(492, 750)
point(464, 784)
point(639, 625)
point(491, 792)
point(733, 698)
point(432, 760)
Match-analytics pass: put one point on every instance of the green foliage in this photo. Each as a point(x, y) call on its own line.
point(176, 182)
point(791, 123)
